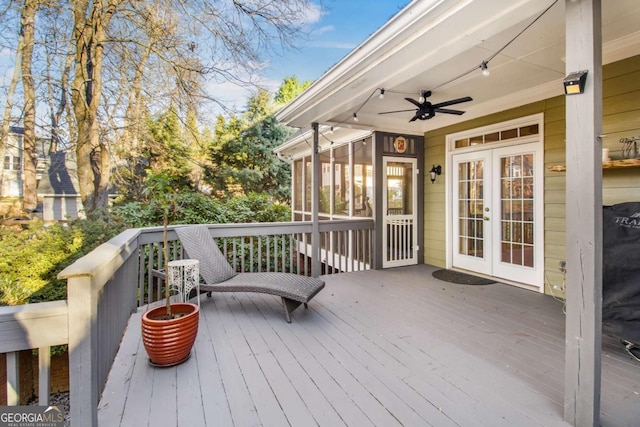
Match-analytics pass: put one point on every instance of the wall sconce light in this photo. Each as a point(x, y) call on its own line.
point(574, 83)
point(435, 171)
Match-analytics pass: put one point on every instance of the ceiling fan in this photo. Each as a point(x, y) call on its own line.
point(427, 110)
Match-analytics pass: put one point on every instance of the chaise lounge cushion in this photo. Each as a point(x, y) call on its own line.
point(198, 240)
point(287, 285)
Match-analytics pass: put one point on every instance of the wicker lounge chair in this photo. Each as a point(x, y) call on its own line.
point(219, 276)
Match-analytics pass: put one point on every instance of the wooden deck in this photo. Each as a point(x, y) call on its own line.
point(392, 347)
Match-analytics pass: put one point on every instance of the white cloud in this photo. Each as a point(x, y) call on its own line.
point(234, 96)
point(320, 31)
point(311, 14)
point(332, 45)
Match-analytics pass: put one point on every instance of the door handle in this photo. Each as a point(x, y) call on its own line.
point(486, 218)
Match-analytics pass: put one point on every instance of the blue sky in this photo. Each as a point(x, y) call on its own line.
point(342, 26)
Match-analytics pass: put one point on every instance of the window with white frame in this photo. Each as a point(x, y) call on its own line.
point(12, 163)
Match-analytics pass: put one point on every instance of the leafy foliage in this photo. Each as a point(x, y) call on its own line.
point(290, 88)
point(242, 159)
point(31, 259)
point(197, 208)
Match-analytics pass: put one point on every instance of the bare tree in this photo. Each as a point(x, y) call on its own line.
point(30, 159)
point(91, 20)
point(135, 57)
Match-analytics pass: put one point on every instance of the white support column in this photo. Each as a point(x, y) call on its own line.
point(315, 203)
point(13, 379)
point(584, 216)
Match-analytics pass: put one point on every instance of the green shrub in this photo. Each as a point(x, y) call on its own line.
point(31, 259)
point(197, 208)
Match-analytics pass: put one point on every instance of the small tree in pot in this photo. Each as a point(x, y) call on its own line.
point(168, 332)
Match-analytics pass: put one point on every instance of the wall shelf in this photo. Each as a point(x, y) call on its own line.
point(611, 164)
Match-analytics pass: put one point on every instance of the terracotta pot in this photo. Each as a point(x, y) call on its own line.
point(169, 342)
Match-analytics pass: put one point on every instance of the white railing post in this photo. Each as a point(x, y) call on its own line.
point(13, 379)
point(44, 375)
point(83, 348)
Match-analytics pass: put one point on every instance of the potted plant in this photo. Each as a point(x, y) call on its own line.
point(168, 331)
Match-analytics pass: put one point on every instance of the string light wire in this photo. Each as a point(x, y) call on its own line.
point(483, 66)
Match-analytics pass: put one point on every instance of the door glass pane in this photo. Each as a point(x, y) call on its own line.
point(516, 193)
point(470, 208)
point(399, 188)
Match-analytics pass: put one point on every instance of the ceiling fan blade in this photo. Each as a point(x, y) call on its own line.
point(397, 111)
point(414, 102)
point(452, 102)
point(446, 110)
point(416, 117)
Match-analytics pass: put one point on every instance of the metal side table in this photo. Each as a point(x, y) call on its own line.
point(183, 276)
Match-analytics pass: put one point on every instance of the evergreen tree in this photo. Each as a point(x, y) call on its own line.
point(290, 88)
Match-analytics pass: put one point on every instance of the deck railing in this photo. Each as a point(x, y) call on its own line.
point(106, 286)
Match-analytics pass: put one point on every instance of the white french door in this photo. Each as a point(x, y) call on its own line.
point(496, 216)
point(400, 212)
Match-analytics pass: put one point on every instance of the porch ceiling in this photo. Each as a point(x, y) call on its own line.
point(430, 42)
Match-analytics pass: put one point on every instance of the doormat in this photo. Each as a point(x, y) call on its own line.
point(460, 278)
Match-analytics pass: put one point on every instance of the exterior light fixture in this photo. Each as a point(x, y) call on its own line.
point(435, 171)
point(381, 93)
point(485, 68)
point(355, 117)
point(574, 83)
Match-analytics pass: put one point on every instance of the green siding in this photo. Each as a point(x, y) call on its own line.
point(621, 118)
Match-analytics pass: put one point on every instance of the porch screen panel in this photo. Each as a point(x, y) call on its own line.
point(297, 185)
point(342, 184)
point(470, 208)
point(325, 182)
point(363, 178)
point(517, 216)
point(308, 169)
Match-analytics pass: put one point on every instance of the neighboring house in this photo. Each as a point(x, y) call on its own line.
point(56, 174)
point(11, 177)
point(58, 188)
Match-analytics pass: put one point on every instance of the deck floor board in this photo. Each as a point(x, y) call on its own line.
point(379, 348)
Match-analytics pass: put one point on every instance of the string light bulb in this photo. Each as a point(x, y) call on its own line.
point(355, 117)
point(485, 68)
point(381, 94)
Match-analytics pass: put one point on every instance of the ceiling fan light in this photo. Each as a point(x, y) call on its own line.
point(421, 99)
point(485, 68)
